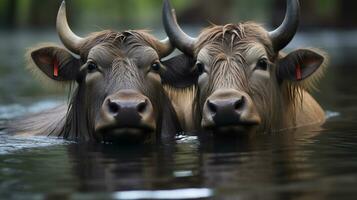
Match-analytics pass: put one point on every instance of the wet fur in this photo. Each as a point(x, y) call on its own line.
point(75, 120)
point(290, 105)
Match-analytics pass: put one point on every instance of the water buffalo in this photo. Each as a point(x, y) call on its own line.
point(118, 92)
point(244, 82)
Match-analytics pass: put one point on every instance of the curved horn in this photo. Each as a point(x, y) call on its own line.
point(178, 38)
point(165, 47)
point(68, 38)
point(283, 35)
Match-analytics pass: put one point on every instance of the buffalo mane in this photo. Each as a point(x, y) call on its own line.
point(242, 31)
point(131, 38)
point(236, 35)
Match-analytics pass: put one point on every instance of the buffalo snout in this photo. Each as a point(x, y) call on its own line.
point(126, 114)
point(229, 108)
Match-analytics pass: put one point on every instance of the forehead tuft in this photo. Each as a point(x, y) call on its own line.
point(126, 39)
point(234, 34)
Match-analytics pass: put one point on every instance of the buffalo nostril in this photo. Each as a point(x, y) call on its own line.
point(142, 106)
point(113, 107)
point(239, 104)
point(211, 106)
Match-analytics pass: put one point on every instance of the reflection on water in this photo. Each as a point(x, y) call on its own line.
point(309, 163)
point(10, 144)
point(165, 194)
point(16, 110)
point(303, 164)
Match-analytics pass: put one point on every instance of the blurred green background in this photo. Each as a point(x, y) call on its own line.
point(32, 14)
point(327, 24)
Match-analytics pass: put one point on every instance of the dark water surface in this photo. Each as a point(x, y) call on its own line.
point(309, 163)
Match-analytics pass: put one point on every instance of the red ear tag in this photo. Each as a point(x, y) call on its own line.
point(298, 72)
point(55, 68)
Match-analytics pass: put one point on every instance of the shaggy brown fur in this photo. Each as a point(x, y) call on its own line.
point(124, 58)
point(227, 52)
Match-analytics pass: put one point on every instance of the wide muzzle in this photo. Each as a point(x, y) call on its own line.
point(127, 113)
point(229, 108)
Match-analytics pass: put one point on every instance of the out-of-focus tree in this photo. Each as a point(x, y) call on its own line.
point(347, 13)
point(43, 13)
point(201, 11)
point(317, 14)
point(8, 13)
point(134, 14)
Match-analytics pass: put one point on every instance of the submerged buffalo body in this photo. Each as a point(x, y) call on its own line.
point(118, 87)
point(242, 80)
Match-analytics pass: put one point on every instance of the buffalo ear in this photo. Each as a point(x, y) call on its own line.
point(299, 65)
point(56, 63)
point(179, 72)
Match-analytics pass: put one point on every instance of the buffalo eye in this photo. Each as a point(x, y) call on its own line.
point(156, 66)
point(262, 64)
point(92, 67)
point(200, 67)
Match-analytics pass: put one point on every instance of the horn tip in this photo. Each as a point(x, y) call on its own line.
point(63, 6)
point(62, 10)
point(167, 3)
point(167, 8)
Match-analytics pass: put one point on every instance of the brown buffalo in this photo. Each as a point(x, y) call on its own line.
point(118, 92)
point(243, 80)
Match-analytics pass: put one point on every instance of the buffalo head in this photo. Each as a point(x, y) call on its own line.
point(118, 87)
point(243, 80)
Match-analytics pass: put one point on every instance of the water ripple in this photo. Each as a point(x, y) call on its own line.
point(9, 144)
point(331, 114)
point(189, 193)
point(15, 110)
